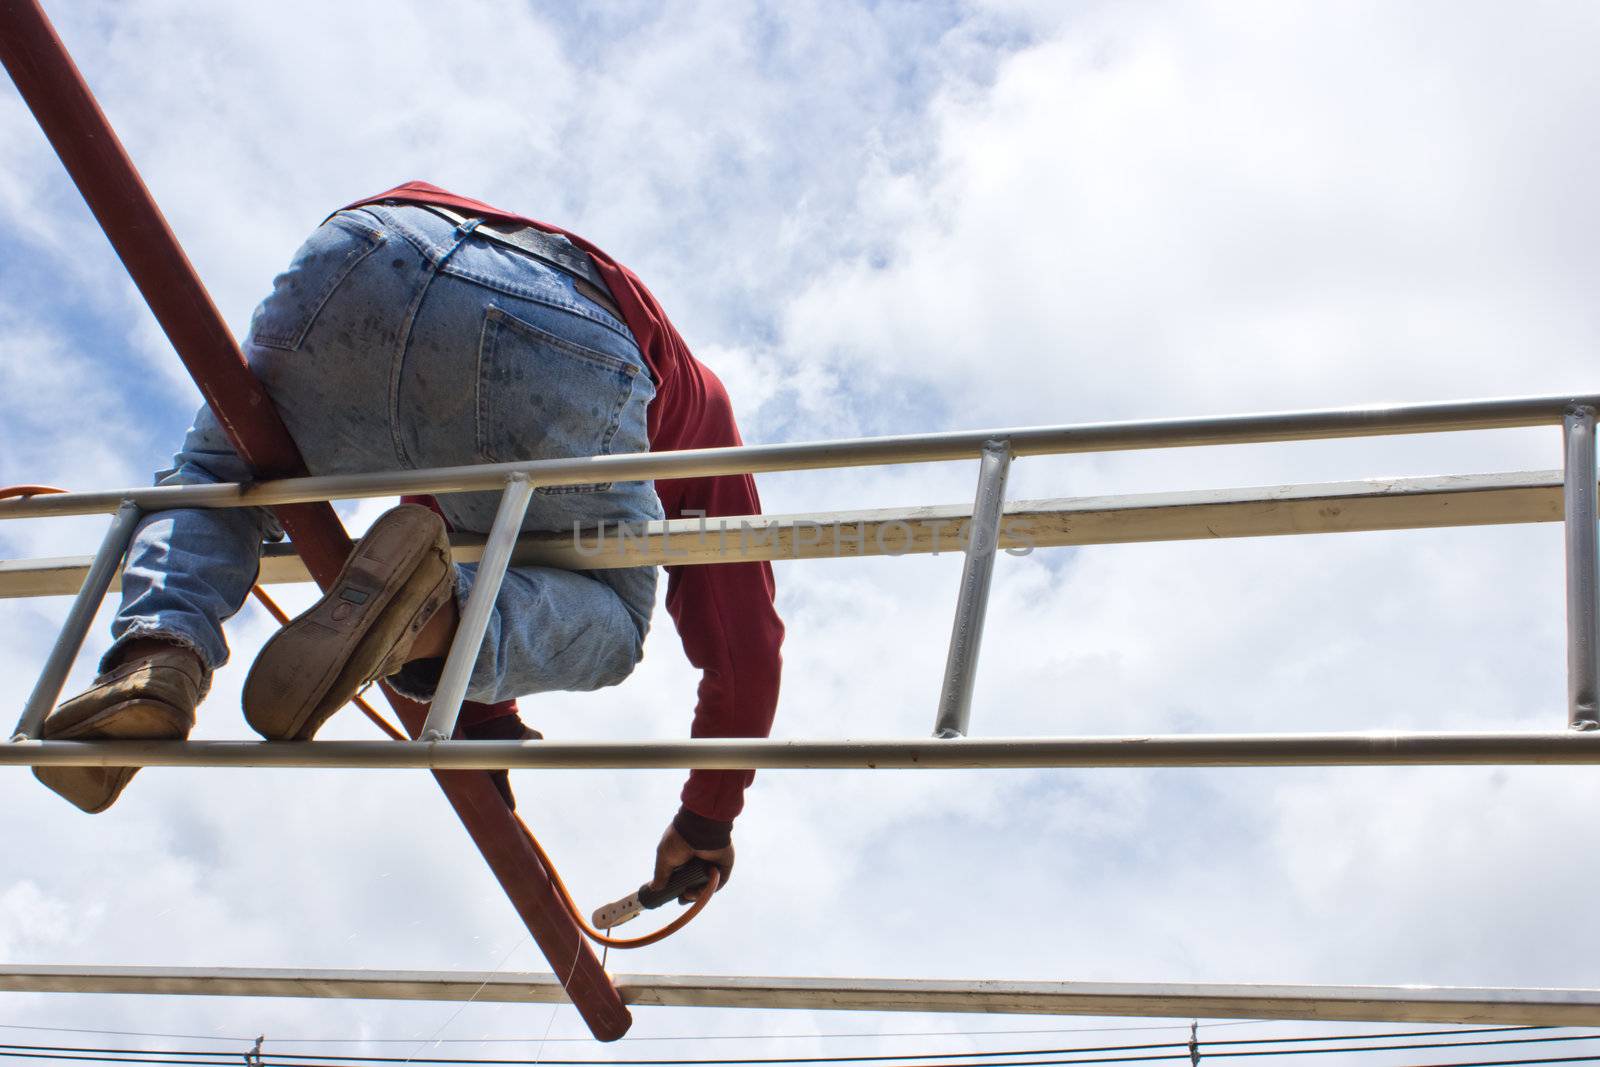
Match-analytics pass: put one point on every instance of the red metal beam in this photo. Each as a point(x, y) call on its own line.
point(66, 110)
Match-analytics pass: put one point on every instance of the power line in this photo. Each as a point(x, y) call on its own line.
point(1505, 1063)
point(641, 1038)
point(984, 1058)
point(1212, 1054)
point(1465, 1032)
point(232, 1061)
point(1392, 1048)
point(705, 1062)
point(863, 1058)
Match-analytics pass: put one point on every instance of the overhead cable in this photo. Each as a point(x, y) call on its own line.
point(986, 1058)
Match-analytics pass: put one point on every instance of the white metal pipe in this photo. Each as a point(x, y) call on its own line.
point(1368, 421)
point(972, 603)
point(69, 641)
point(474, 623)
point(1207, 514)
point(1165, 1000)
point(1172, 750)
point(1583, 570)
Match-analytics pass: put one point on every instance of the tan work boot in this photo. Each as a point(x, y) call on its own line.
point(363, 628)
point(150, 697)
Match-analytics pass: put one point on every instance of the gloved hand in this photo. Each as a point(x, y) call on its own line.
point(674, 851)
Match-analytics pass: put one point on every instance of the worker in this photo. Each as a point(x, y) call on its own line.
point(419, 329)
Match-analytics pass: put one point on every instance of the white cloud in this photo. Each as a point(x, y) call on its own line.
point(898, 219)
point(31, 920)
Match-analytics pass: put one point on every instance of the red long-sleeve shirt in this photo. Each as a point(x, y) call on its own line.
point(724, 612)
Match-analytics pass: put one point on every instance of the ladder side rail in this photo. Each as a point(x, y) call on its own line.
point(1583, 569)
point(836, 454)
point(1439, 502)
point(972, 603)
point(1354, 749)
point(468, 640)
point(75, 628)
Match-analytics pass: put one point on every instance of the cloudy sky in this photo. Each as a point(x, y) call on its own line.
point(889, 218)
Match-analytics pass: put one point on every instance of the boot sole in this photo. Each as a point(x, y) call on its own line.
point(94, 789)
point(309, 669)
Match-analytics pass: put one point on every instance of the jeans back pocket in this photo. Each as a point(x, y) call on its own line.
point(542, 396)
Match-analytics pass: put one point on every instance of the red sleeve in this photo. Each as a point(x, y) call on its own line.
point(728, 623)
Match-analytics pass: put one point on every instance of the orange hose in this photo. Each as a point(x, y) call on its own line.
point(604, 939)
point(10, 491)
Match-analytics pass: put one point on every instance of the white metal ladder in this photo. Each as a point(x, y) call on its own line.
point(994, 449)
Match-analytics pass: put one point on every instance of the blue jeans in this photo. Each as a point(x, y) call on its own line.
point(397, 339)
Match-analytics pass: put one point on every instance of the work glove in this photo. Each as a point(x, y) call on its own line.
point(675, 850)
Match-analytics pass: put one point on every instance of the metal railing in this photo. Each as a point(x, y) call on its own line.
point(995, 450)
point(1427, 503)
point(1165, 1000)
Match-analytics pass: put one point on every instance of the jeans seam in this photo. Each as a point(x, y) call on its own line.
point(403, 342)
point(384, 214)
point(424, 246)
point(292, 341)
point(525, 293)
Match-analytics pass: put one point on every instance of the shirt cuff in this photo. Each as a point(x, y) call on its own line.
point(702, 833)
